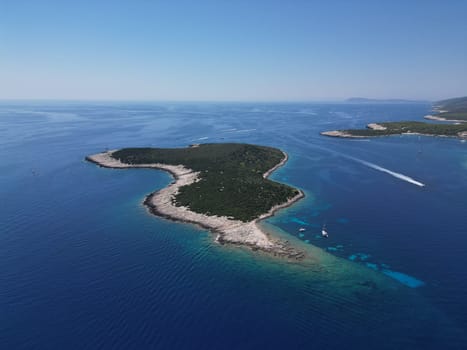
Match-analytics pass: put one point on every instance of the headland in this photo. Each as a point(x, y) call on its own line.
point(450, 110)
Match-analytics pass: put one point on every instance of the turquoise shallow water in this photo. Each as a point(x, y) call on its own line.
point(85, 266)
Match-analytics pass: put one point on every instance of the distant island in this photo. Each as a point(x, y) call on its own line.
point(452, 110)
point(381, 101)
point(221, 187)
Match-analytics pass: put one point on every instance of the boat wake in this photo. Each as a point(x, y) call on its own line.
point(364, 162)
point(200, 138)
point(390, 172)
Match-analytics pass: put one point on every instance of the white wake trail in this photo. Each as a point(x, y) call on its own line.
point(364, 162)
point(387, 171)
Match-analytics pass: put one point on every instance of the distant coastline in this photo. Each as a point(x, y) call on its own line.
point(365, 100)
point(453, 111)
point(227, 230)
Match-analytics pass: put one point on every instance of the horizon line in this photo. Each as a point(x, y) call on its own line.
point(345, 100)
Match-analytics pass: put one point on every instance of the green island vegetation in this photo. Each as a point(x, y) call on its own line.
point(231, 177)
point(394, 128)
point(456, 109)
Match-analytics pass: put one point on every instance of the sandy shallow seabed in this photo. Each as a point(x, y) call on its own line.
point(250, 234)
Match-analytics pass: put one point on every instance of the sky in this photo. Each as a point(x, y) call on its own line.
point(288, 50)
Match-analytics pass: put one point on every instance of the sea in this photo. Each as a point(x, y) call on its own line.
point(83, 265)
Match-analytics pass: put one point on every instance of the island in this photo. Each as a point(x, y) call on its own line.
point(365, 100)
point(221, 187)
point(451, 110)
point(402, 127)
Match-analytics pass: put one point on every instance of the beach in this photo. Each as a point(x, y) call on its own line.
point(226, 230)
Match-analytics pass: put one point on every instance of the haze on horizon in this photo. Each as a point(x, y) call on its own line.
point(232, 51)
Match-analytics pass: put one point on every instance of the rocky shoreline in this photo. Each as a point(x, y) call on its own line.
point(442, 119)
point(227, 230)
point(339, 133)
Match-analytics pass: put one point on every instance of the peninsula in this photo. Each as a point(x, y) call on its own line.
point(221, 187)
point(451, 110)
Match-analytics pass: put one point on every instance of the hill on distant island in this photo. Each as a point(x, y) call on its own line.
point(374, 100)
point(458, 104)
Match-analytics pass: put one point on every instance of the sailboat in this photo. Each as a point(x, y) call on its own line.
point(324, 233)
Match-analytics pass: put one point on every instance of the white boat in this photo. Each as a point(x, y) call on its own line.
point(324, 233)
point(301, 229)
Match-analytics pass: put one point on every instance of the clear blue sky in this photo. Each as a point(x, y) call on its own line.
point(232, 50)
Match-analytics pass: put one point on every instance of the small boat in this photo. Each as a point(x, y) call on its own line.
point(324, 233)
point(301, 229)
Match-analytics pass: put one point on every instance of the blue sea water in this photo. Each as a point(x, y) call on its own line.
point(84, 266)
